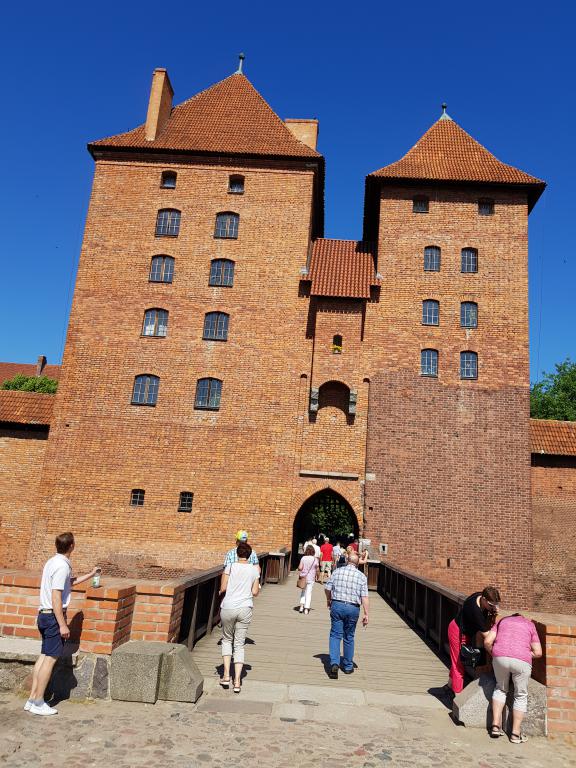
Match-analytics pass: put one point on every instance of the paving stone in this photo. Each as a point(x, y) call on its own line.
point(235, 705)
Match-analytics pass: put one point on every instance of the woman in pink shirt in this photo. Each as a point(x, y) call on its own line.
point(513, 644)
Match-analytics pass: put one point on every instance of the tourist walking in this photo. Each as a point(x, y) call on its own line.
point(55, 595)
point(513, 643)
point(231, 555)
point(307, 570)
point(240, 584)
point(346, 590)
point(326, 559)
point(471, 626)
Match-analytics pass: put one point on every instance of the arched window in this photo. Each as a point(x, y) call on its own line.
point(162, 269)
point(485, 206)
point(168, 222)
point(468, 365)
point(236, 185)
point(208, 394)
point(216, 326)
point(469, 314)
point(227, 225)
point(222, 273)
point(337, 344)
point(469, 260)
point(334, 394)
point(168, 180)
point(430, 312)
point(432, 258)
point(137, 497)
point(145, 390)
point(420, 204)
point(155, 322)
point(429, 362)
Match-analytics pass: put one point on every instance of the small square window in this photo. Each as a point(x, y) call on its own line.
point(236, 185)
point(168, 180)
point(185, 504)
point(485, 207)
point(420, 205)
point(137, 497)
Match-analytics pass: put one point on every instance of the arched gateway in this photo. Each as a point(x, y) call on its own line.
point(324, 512)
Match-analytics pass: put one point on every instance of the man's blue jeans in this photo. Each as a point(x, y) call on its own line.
point(344, 618)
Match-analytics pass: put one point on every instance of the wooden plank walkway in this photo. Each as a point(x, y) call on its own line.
point(287, 647)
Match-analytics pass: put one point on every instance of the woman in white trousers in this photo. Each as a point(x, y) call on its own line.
point(307, 570)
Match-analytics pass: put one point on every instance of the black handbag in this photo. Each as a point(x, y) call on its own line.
point(469, 655)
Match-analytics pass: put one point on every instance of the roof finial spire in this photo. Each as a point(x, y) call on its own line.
point(241, 58)
point(445, 115)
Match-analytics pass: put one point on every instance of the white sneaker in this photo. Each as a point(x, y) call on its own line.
point(42, 709)
point(27, 705)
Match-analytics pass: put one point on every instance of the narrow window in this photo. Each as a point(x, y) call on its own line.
point(185, 503)
point(236, 185)
point(208, 393)
point(145, 390)
point(469, 260)
point(429, 362)
point(155, 322)
point(168, 222)
point(337, 344)
point(430, 312)
point(222, 273)
point(420, 204)
point(137, 497)
point(468, 365)
point(168, 180)
point(162, 269)
point(216, 326)
point(227, 225)
point(432, 258)
point(485, 207)
point(469, 314)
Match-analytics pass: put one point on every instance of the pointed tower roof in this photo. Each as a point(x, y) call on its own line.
point(230, 117)
point(447, 153)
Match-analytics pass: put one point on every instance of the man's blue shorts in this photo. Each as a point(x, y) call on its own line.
point(52, 641)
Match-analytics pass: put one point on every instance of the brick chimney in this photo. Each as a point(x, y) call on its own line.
point(160, 104)
point(40, 364)
point(305, 131)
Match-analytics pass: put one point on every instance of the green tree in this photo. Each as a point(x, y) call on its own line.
point(555, 396)
point(31, 384)
point(332, 516)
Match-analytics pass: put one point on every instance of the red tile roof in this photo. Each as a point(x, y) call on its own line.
point(342, 268)
point(9, 370)
point(557, 438)
point(230, 117)
point(447, 153)
point(25, 407)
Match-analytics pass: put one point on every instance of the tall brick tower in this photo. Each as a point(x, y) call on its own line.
point(448, 456)
point(175, 420)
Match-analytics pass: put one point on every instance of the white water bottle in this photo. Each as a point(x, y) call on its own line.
point(96, 578)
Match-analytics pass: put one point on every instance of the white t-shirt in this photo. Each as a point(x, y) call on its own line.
point(241, 576)
point(56, 575)
point(317, 552)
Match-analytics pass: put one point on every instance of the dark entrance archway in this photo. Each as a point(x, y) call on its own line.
point(326, 512)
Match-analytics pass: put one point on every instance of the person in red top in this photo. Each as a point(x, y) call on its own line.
point(326, 559)
point(354, 544)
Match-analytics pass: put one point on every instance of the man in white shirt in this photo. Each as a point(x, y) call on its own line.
point(55, 593)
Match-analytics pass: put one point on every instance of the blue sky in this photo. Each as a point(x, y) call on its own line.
point(373, 73)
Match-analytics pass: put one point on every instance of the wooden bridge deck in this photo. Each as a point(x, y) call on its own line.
point(287, 647)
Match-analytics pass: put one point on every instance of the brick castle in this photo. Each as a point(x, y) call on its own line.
point(226, 364)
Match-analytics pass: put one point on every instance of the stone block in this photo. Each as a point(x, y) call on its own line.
point(180, 678)
point(472, 707)
point(135, 671)
point(71, 678)
point(101, 679)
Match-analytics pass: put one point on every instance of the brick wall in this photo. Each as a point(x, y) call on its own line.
point(554, 523)
point(451, 494)
point(21, 458)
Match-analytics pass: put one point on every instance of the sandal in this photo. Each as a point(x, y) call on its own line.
point(495, 732)
point(224, 683)
point(237, 688)
point(517, 738)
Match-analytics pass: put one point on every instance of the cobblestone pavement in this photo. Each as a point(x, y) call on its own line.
point(124, 735)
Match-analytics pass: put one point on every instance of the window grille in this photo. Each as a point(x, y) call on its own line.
point(168, 180)
point(469, 314)
point(216, 326)
point(168, 222)
point(485, 207)
point(155, 322)
point(430, 312)
point(468, 365)
point(432, 258)
point(222, 273)
point(185, 503)
point(227, 225)
point(137, 497)
point(208, 394)
point(469, 260)
point(145, 390)
point(429, 362)
point(420, 205)
point(162, 269)
point(236, 185)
